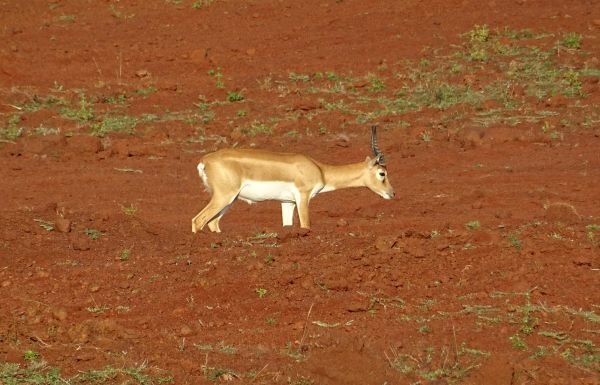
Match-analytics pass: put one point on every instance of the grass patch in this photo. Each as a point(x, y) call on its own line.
point(93, 234)
point(12, 130)
point(473, 225)
point(571, 40)
point(84, 114)
point(38, 372)
point(256, 128)
point(437, 364)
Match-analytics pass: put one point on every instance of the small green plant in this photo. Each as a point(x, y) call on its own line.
point(479, 33)
point(124, 255)
point(256, 128)
point(517, 342)
point(376, 84)
point(298, 77)
point(66, 18)
point(118, 14)
point(514, 241)
point(216, 73)
point(84, 114)
point(301, 380)
point(219, 374)
point(539, 353)
point(271, 321)
point(131, 210)
point(227, 349)
point(93, 233)
point(571, 40)
point(473, 225)
point(12, 130)
point(118, 123)
point(30, 355)
point(269, 259)
point(261, 292)
point(478, 54)
point(426, 136)
point(241, 113)
point(146, 91)
point(234, 97)
point(591, 233)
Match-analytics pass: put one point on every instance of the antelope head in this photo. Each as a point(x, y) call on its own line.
point(377, 179)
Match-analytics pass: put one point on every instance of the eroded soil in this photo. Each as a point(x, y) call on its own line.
point(484, 269)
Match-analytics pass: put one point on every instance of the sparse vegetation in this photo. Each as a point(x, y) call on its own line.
point(571, 40)
point(535, 85)
point(84, 114)
point(261, 292)
point(12, 130)
point(93, 233)
point(473, 225)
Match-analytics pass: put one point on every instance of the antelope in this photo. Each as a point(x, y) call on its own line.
point(293, 179)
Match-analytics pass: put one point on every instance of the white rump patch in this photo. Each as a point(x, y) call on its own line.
point(203, 176)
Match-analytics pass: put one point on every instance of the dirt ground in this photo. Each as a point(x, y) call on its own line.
point(485, 268)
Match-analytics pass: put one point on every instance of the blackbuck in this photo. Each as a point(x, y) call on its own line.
point(292, 179)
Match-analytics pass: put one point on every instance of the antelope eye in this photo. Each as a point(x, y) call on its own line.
point(382, 174)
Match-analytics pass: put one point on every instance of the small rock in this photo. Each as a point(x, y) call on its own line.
point(42, 274)
point(472, 138)
point(337, 284)
point(417, 252)
point(557, 101)
point(185, 331)
point(384, 242)
point(5, 283)
point(142, 73)
point(306, 283)
point(84, 357)
point(298, 325)
point(60, 314)
point(178, 312)
point(357, 306)
point(62, 225)
point(342, 222)
point(94, 288)
point(583, 260)
point(80, 244)
point(306, 105)
point(251, 51)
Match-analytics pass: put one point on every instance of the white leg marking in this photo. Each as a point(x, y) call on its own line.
point(287, 213)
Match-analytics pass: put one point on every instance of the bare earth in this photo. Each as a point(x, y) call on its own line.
point(485, 268)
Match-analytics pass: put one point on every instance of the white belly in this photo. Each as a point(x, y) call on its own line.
point(257, 191)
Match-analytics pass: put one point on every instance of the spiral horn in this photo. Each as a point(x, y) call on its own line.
point(376, 151)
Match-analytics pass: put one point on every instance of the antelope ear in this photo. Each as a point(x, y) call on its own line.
point(372, 162)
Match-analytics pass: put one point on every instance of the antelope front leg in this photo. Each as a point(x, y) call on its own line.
point(302, 206)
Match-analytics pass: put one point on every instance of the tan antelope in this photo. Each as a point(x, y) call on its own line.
point(293, 179)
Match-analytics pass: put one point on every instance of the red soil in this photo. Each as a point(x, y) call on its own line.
point(378, 291)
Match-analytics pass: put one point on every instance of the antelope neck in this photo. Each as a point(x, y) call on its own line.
point(338, 177)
